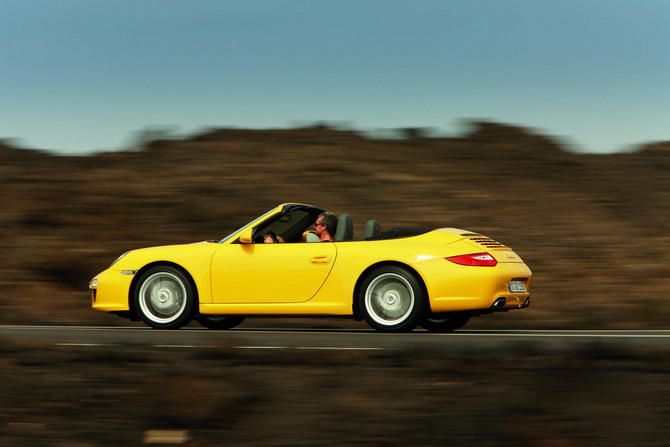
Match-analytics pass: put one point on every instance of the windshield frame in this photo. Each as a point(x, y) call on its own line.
point(239, 230)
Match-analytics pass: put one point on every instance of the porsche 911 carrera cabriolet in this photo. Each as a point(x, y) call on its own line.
point(395, 280)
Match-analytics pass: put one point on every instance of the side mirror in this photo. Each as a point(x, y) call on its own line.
point(246, 237)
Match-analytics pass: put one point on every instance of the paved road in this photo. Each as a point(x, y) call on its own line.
point(332, 339)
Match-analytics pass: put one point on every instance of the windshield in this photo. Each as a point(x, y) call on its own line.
point(234, 233)
point(290, 221)
point(289, 224)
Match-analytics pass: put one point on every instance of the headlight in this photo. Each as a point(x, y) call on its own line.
point(119, 258)
point(93, 284)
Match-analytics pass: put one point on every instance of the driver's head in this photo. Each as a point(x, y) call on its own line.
point(326, 221)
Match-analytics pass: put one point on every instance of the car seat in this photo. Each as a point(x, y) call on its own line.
point(371, 229)
point(345, 228)
point(310, 237)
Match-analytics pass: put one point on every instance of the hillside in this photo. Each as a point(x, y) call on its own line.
point(593, 228)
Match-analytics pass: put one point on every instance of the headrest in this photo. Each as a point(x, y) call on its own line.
point(371, 229)
point(345, 228)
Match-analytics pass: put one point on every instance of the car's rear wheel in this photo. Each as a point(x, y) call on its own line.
point(445, 323)
point(391, 299)
point(219, 323)
point(165, 298)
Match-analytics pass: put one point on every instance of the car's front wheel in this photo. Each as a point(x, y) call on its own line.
point(391, 299)
point(219, 323)
point(445, 323)
point(165, 298)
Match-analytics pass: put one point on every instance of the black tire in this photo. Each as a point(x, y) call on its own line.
point(391, 299)
point(445, 323)
point(219, 323)
point(165, 298)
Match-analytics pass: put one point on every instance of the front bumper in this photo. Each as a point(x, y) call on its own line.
point(110, 290)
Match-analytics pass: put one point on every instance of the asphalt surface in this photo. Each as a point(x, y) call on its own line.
point(333, 339)
point(260, 386)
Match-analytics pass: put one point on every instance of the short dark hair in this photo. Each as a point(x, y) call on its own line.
point(330, 221)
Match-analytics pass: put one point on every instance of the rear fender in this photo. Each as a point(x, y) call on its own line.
point(355, 308)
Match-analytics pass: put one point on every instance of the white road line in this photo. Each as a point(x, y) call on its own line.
point(88, 344)
point(558, 335)
point(335, 348)
point(661, 333)
point(315, 348)
point(179, 346)
point(305, 348)
point(259, 347)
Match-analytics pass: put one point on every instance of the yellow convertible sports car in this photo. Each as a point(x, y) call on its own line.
point(395, 280)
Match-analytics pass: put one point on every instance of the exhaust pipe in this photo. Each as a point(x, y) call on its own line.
point(499, 303)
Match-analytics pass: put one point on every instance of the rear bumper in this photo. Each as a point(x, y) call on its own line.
point(456, 288)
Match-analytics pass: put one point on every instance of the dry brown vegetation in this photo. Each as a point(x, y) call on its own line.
point(593, 395)
point(593, 228)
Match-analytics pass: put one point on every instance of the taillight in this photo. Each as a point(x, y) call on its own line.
point(476, 259)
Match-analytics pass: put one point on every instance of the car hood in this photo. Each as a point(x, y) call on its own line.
point(180, 253)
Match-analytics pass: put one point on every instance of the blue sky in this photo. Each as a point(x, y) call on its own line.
point(78, 76)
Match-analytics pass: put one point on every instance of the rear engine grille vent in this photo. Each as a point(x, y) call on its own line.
point(484, 241)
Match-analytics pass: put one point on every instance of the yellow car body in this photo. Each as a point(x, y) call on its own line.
point(445, 275)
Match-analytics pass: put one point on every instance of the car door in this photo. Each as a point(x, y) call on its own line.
point(270, 273)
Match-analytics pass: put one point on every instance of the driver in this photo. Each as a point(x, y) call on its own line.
point(324, 228)
point(268, 238)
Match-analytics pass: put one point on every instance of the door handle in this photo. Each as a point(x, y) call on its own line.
point(320, 260)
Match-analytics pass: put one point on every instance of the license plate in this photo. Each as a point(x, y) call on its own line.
point(517, 286)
